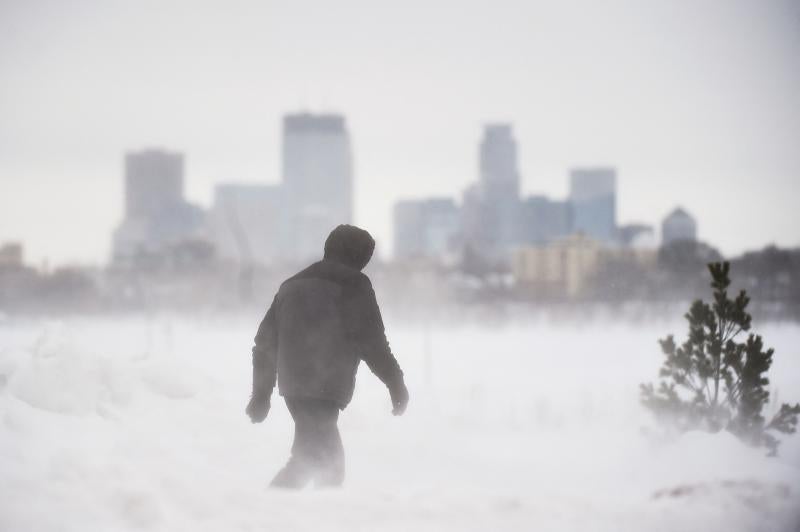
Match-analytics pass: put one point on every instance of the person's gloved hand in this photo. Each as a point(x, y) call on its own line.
point(399, 394)
point(258, 408)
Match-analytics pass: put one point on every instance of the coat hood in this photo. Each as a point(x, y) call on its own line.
point(349, 245)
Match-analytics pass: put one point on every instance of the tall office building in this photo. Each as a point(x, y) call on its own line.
point(153, 182)
point(156, 214)
point(317, 174)
point(499, 172)
point(593, 194)
point(678, 225)
point(492, 208)
point(543, 220)
point(426, 228)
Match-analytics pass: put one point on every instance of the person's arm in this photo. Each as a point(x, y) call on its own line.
point(374, 347)
point(265, 367)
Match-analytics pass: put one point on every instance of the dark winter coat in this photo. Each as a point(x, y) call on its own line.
point(321, 324)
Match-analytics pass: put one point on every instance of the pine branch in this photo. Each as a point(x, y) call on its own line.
point(785, 420)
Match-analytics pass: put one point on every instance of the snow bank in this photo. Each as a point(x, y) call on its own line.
point(57, 376)
point(139, 425)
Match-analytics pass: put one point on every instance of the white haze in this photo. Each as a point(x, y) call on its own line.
point(138, 424)
point(696, 103)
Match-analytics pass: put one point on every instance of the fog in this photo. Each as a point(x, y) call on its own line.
point(131, 424)
point(541, 188)
point(690, 102)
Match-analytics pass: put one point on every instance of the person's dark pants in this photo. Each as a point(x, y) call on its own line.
point(317, 452)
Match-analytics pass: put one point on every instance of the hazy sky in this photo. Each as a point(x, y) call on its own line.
point(696, 103)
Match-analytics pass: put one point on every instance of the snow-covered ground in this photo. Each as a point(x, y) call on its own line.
point(138, 424)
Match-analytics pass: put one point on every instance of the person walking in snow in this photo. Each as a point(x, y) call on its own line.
point(323, 321)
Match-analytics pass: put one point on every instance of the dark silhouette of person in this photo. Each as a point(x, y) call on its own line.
point(323, 321)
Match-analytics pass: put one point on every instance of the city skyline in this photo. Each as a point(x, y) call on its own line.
point(458, 197)
point(258, 223)
point(694, 105)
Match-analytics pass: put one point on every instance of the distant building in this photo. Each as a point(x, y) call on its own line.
point(472, 209)
point(566, 267)
point(636, 236)
point(543, 220)
point(248, 223)
point(11, 255)
point(153, 182)
point(156, 213)
point(499, 183)
point(491, 209)
point(427, 228)
point(678, 225)
point(561, 268)
point(593, 192)
point(317, 173)
point(499, 172)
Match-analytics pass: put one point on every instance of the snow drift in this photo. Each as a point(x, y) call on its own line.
point(138, 424)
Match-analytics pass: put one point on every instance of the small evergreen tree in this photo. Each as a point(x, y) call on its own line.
point(713, 382)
